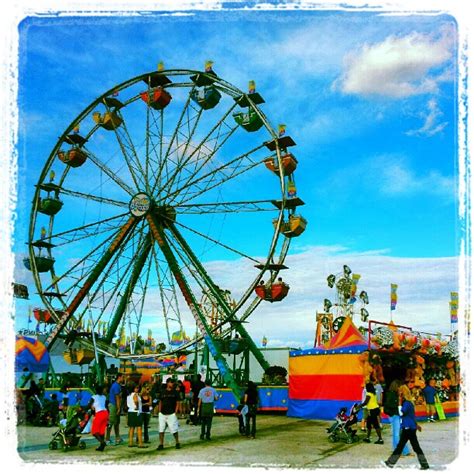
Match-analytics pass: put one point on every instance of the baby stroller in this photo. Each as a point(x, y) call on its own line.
point(342, 429)
point(68, 435)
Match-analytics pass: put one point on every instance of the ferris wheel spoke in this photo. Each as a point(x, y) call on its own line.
point(93, 197)
point(182, 157)
point(111, 174)
point(88, 230)
point(164, 157)
point(202, 154)
point(92, 278)
point(227, 207)
point(217, 242)
point(233, 168)
point(130, 154)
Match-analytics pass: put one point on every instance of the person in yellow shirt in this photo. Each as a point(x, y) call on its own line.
point(374, 412)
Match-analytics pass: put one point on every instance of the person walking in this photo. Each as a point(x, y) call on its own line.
point(101, 416)
point(115, 406)
point(146, 411)
point(408, 432)
point(390, 408)
point(251, 400)
point(206, 398)
point(135, 417)
point(374, 412)
point(169, 398)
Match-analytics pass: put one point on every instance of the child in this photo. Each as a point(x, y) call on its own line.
point(242, 409)
point(429, 393)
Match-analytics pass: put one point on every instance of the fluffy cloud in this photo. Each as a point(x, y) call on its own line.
point(398, 67)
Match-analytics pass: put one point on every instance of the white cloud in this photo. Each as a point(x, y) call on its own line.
point(432, 124)
point(398, 67)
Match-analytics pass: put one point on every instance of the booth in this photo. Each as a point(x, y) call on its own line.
point(326, 378)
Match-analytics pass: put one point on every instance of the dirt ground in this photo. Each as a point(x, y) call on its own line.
point(281, 442)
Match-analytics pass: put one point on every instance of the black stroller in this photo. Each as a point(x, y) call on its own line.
point(68, 435)
point(342, 429)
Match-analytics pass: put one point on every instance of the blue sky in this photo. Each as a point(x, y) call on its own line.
point(370, 100)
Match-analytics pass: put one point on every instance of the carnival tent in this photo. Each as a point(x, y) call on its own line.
point(31, 354)
point(326, 378)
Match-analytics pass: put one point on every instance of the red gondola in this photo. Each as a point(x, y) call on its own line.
point(275, 292)
point(157, 99)
point(43, 316)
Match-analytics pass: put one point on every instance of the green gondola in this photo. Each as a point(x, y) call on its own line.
point(206, 97)
point(250, 120)
point(43, 264)
point(50, 206)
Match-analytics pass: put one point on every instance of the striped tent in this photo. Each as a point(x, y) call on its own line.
point(326, 378)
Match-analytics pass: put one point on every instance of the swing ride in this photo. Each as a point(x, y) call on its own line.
point(152, 186)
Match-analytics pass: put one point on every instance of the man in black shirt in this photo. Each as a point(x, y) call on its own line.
point(167, 413)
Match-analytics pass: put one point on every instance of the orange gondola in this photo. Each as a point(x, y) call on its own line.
point(288, 162)
point(74, 157)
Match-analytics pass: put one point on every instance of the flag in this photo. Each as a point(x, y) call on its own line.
point(291, 191)
point(281, 129)
point(251, 87)
point(355, 280)
point(454, 307)
point(393, 296)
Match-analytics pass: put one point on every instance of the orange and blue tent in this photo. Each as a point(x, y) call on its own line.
point(324, 379)
point(31, 354)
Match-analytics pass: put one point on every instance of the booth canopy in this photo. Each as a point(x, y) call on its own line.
point(30, 353)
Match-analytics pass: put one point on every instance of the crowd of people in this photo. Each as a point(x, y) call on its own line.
point(398, 404)
point(195, 400)
point(170, 401)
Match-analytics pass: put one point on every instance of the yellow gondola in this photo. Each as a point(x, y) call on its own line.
point(294, 227)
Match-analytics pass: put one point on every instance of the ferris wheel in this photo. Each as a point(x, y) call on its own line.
point(147, 198)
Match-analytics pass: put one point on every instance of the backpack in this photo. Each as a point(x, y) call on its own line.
point(390, 406)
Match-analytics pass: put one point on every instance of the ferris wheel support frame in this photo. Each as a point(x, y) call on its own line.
point(229, 313)
point(160, 237)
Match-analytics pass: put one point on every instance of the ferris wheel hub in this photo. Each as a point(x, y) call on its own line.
point(140, 204)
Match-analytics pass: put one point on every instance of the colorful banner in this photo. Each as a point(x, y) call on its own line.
point(393, 296)
point(454, 307)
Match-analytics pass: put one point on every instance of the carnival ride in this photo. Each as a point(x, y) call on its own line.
point(347, 304)
point(152, 186)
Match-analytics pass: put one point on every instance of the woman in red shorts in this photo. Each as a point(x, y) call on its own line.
point(101, 416)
